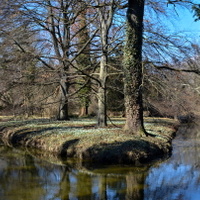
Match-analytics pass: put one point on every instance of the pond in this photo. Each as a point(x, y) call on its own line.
point(24, 176)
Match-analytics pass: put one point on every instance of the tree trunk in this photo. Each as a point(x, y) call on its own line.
point(133, 69)
point(63, 108)
point(102, 110)
point(62, 53)
point(105, 19)
point(84, 111)
point(102, 116)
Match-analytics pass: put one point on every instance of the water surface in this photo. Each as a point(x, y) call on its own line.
point(27, 177)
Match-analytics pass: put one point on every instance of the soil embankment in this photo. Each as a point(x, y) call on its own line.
point(80, 139)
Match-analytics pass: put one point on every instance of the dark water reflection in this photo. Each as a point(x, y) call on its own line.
point(25, 177)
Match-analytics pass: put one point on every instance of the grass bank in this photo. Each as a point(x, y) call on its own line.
point(81, 139)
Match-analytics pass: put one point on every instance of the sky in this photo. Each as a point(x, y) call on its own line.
point(185, 23)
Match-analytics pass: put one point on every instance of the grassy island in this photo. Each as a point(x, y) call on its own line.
point(79, 138)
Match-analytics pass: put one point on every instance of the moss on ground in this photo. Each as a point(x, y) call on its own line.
point(81, 139)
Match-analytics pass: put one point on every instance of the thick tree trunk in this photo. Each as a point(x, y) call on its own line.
point(62, 53)
point(133, 69)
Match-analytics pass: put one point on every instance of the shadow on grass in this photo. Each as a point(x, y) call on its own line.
point(68, 148)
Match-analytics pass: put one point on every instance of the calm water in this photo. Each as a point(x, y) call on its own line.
point(27, 177)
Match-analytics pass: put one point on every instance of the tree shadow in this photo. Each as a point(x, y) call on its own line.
point(134, 152)
point(68, 148)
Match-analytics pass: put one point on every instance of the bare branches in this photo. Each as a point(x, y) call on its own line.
point(178, 70)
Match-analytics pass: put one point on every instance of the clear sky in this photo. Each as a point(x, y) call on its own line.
point(185, 23)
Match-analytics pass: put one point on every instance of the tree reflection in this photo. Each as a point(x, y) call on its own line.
point(25, 177)
point(17, 180)
point(135, 186)
point(83, 186)
point(64, 184)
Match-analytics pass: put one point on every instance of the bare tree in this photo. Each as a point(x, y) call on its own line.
point(105, 14)
point(54, 22)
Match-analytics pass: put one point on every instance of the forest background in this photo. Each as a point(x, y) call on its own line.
point(62, 59)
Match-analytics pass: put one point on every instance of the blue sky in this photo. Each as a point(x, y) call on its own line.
point(185, 23)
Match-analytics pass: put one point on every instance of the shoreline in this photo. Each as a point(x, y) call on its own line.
point(81, 140)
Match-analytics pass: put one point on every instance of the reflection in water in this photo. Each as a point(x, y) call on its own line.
point(179, 177)
point(23, 177)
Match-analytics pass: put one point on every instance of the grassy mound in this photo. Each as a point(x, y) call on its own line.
point(80, 139)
